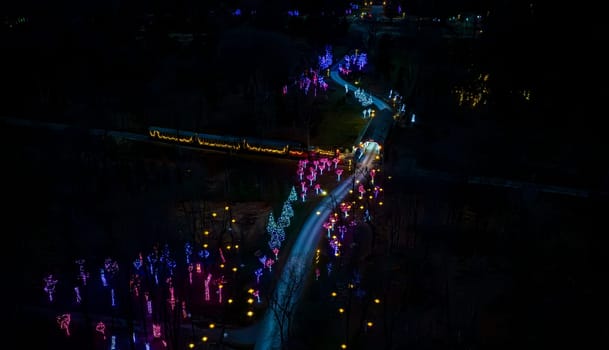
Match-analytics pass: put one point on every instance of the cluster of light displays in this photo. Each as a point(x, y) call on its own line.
point(325, 61)
point(474, 93)
point(311, 79)
point(364, 98)
point(355, 61)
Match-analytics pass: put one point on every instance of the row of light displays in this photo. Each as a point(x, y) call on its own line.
point(213, 141)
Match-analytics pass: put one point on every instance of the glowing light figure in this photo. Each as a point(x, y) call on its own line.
point(187, 252)
point(372, 175)
point(222, 255)
point(109, 271)
point(328, 226)
point(346, 88)
point(113, 343)
point(100, 328)
point(77, 296)
point(361, 191)
point(64, 322)
point(112, 298)
point(342, 229)
point(269, 264)
point(185, 314)
point(376, 191)
point(220, 283)
point(317, 273)
point(300, 173)
point(338, 173)
point(344, 207)
point(83, 274)
point(256, 293)
point(138, 263)
point(412, 118)
point(317, 188)
point(276, 253)
point(311, 178)
point(49, 286)
point(293, 196)
point(102, 275)
point(156, 330)
point(204, 254)
point(262, 260)
point(172, 298)
point(135, 284)
point(303, 194)
point(206, 284)
point(258, 274)
point(322, 167)
point(335, 246)
point(148, 303)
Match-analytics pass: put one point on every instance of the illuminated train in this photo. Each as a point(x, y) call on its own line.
point(235, 144)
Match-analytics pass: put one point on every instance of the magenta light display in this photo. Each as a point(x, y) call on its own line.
point(338, 173)
point(206, 284)
point(63, 321)
point(100, 328)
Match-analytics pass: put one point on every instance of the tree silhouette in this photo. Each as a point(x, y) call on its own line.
point(286, 292)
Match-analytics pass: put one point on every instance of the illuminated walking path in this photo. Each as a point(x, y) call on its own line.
point(267, 331)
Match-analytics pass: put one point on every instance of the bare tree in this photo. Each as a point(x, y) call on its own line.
point(286, 292)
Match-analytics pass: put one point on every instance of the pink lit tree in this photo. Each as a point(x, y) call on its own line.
point(361, 190)
point(328, 226)
point(206, 284)
point(335, 160)
point(311, 178)
point(63, 321)
point(344, 207)
point(100, 328)
point(317, 188)
point(338, 172)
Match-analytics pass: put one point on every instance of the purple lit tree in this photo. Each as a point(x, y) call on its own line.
point(49, 286)
point(325, 61)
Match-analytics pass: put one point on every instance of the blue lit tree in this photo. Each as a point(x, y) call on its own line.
point(276, 232)
point(286, 213)
point(293, 196)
